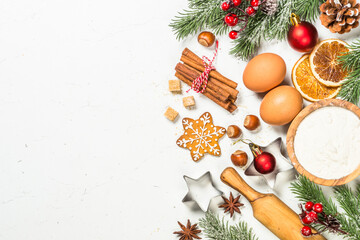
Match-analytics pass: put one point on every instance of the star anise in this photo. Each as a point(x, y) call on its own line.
point(189, 232)
point(231, 204)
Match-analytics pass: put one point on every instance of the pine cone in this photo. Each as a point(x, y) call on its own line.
point(340, 16)
point(269, 7)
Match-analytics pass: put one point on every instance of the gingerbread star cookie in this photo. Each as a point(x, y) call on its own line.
point(201, 136)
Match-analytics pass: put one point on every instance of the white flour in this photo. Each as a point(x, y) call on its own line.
point(327, 142)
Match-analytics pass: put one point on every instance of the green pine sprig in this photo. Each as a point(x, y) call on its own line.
point(207, 14)
point(349, 201)
point(201, 14)
point(350, 90)
point(217, 229)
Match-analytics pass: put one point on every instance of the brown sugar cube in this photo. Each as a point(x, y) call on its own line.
point(189, 101)
point(171, 114)
point(174, 85)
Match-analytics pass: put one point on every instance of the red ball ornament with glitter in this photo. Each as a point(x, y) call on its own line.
point(302, 36)
point(264, 162)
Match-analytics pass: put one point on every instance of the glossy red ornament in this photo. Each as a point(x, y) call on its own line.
point(236, 2)
point(264, 162)
point(302, 36)
point(233, 34)
point(225, 6)
point(231, 19)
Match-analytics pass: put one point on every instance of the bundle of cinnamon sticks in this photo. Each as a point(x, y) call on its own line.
point(219, 89)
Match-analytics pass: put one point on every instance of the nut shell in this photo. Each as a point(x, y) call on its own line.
point(239, 158)
point(251, 122)
point(206, 39)
point(233, 131)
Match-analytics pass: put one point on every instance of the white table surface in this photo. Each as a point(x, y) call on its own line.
point(86, 151)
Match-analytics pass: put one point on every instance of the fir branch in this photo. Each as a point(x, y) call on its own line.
point(350, 90)
point(305, 190)
point(200, 15)
point(307, 10)
point(217, 229)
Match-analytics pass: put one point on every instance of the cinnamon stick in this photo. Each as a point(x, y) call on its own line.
point(226, 106)
point(214, 83)
point(199, 62)
point(192, 75)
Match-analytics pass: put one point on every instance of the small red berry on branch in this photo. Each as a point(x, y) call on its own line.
point(254, 3)
point(309, 206)
point(306, 231)
point(318, 207)
point(231, 19)
point(236, 2)
point(225, 6)
point(250, 11)
point(313, 216)
point(233, 34)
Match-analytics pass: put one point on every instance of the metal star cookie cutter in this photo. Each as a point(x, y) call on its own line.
point(277, 149)
point(201, 191)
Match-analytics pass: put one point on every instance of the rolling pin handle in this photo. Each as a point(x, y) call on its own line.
point(232, 178)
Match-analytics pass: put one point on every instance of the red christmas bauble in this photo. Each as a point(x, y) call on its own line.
point(264, 163)
point(302, 36)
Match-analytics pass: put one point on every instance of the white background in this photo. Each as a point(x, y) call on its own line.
point(85, 150)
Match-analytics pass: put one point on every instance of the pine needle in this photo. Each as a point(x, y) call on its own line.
point(217, 229)
point(350, 90)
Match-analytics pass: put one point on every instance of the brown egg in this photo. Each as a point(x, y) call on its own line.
point(264, 72)
point(281, 105)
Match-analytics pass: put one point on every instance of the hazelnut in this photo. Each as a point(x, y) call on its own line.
point(251, 122)
point(206, 39)
point(239, 158)
point(233, 131)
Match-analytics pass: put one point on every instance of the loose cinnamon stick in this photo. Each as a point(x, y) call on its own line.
point(188, 53)
point(192, 75)
point(214, 83)
point(228, 106)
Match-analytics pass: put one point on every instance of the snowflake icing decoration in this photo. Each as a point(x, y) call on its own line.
point(201, 136)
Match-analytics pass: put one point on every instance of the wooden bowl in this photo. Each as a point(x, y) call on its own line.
point(291, 136)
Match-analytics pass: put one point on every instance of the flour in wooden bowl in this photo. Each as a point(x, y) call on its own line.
point(327, 142)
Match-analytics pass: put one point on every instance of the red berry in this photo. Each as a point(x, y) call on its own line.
point(313, 216)
point(250, 11)
point(307, 219)
point(309, 206)
point(231, 19)
point(318, 207)
point(254, 3)
point(236, 2)
point(233, 34)
point(225, 6)
point(306, 231)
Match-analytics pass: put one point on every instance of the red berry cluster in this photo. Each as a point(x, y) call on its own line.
point(231, 19)
point(309, 216)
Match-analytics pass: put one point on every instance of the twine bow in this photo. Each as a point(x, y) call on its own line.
point(203, 78)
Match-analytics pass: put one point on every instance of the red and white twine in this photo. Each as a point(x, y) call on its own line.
point(202, 80)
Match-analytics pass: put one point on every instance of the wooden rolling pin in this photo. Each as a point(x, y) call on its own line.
point(269, 209)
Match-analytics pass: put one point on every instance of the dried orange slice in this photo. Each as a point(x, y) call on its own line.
point(324, 64)
point(308, 86)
